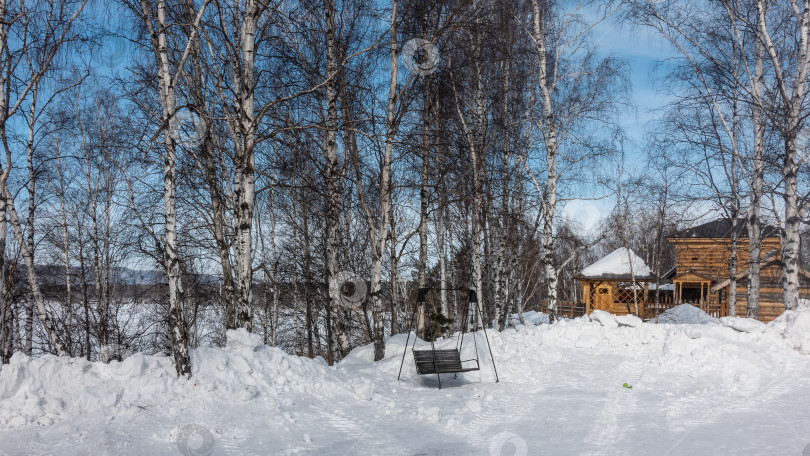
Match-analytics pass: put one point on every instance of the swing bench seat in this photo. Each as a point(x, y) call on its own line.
point(446, 361)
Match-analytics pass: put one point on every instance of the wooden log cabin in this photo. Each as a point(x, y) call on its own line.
point(701, 275)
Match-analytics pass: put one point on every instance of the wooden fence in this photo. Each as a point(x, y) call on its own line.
point(647, 309)
point(567, 309)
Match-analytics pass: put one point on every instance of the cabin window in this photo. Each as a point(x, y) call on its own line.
point(694, 258)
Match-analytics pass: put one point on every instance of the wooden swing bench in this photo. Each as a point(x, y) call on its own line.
point(447, 361)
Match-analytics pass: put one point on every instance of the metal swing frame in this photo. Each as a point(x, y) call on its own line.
point(446, 361)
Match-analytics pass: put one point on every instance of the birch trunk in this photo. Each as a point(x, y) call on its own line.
point(218, 219)
point(758, 171)
point(29, 222)
point(423, 198)
point(790, 251)
point(339, 339)
point(732, 267)
point(65, 241)
point(307, 269)
point(177, 328)
point(791, 90)
point(549, 128)
point(440, 235)
point(734, 180)
point(6, 316)
point(275, 260)
point(246, 192)
point(101, 311)
point(474, 135)
point(379, 240)
point(500, 264)
point(394, 273)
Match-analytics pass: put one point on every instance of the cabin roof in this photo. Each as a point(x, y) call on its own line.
point(616, 265)
point(722, 228)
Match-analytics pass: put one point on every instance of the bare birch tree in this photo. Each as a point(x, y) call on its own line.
point(573, 86)
point(169, 64)
point(788, 54)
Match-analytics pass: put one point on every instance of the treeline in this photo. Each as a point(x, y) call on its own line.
point(300, 168)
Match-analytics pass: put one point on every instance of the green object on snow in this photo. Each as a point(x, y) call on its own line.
point(628, 386)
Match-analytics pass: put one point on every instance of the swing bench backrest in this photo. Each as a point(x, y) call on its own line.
point(446, 361)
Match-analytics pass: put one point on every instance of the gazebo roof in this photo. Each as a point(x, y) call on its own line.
point(617, 266)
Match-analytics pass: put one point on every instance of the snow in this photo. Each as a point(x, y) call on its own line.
point(628, 320)
point(795, 327)
point(604, 318)
point(242, 339)
point(696, 387)
point(685, 314)
point(747, 325)
point(534, 318)
point(617, 263)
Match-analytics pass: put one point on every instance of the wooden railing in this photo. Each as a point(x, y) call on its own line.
point(647, 310)
point(568, 309)
point(650, 309)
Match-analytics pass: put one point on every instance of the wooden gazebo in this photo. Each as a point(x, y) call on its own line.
point(616, 283)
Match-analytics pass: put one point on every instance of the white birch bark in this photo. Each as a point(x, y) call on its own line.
point(29, 222)
point(340, 341)
point(245, 161)
point(791, 89)
point(157, 27)
point(176, 322)
point(394, 260)
point(6, 330)
point(379, 239)
point(758, 171)
point(549, 128)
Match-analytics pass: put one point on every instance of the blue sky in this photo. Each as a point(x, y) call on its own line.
point(642, 49)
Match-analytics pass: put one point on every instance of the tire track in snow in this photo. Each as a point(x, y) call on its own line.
point(354, 430)
point(490, 420)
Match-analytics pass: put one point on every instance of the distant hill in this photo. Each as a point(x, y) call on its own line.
point(54, 275)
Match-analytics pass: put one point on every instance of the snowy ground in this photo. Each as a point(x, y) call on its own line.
point(697, 389)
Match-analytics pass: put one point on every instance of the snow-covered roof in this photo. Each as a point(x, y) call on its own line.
point(616, 265)
point(664, 286)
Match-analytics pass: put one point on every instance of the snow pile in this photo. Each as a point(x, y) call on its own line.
point(794, 325)
point(685, 314)
point(242, 339)
point(46, 389)
point(618, 262)
point(604, 318)
point(747, 325)
point(534, 318)
point(609, 320)
point(628, 320)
